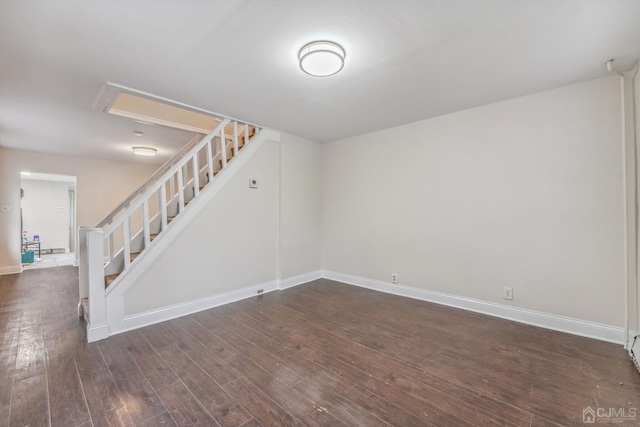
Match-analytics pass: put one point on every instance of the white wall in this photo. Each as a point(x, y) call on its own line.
point(526, 193)
point(301, 206)
point(101, 186)
point(232, 244)
point(45, 212)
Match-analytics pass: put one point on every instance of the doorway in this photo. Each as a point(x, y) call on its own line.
point(48, 218)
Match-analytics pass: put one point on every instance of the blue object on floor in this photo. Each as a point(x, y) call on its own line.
point(28, 257)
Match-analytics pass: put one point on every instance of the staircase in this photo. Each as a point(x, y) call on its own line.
point(114, 246)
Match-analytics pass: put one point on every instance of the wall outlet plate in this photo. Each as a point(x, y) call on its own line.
point(394, 277)
point(253, 183)
point(507, 293)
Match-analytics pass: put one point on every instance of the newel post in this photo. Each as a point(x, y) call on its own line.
point(83, 273)
point(97, 328)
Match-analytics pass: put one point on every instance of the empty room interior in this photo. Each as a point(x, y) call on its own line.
point(319, 212)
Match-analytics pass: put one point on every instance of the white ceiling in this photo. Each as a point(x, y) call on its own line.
point(406, 60)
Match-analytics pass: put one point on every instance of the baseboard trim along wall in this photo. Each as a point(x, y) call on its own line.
point(97, 332)
point(151, 317)
point(11, 269)
point(530, 317)
point(300, 279)
point(544, 320)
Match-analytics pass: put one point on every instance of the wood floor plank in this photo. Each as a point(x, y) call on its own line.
point(29, 402)
point(141, 401)
point(66, 396)
point(162, 420)
point(215, 400)
point(338, 404)
point(30, 360)
point(118, 417)
point(294, 402)
point(157, 372)
point(215, 367)
point(359, 371)
point(264, 409)
point(269, 360)
point(184, 408)
point(393, 372)
point(316, 354)
point(101, 392)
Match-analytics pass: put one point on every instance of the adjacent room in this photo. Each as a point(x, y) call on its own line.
point(47, 207)
point(319, 212)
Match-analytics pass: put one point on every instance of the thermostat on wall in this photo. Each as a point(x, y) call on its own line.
point(253, 183)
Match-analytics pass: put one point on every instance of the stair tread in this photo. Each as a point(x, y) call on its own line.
point(153, 236)
point(85, 309)
point(134, 255)
point(109, 278)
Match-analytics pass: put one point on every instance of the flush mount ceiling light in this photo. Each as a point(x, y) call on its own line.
point(138, 133)
point(144, 151)
point(321, 58)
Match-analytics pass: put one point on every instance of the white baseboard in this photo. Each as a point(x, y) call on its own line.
point(151, 317)
point(300, 279)
point(11, 269)
point(97, 332)
point(550, 321)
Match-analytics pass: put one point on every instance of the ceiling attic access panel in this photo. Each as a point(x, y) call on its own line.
point(150, 109)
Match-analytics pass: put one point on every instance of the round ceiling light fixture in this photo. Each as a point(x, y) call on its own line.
point(321, 58)
point(144, 151)
point(138, 133)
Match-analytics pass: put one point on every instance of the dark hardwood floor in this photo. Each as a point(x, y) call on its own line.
point(318, 354)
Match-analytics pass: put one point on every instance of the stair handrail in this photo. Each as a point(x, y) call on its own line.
point(109, 217)
point(164, 178)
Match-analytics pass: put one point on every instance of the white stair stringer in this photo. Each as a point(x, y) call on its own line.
point(114, 295)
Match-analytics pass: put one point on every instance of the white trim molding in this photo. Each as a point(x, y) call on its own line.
point(140, 320)
point(11, 269)
point(300, 279)
point(151, 317)
point(569, 325)
point(97, 332)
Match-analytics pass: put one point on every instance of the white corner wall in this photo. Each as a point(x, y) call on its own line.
point(101, 186)
point(244, 238)
point(300, 206)
point(232, 243)
point(526, 193)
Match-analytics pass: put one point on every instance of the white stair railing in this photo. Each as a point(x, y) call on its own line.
point(113, 244)
point(157, 174)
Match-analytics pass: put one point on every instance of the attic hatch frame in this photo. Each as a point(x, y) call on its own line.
point(110, 92)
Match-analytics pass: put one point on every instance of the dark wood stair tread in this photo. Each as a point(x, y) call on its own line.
point(108, 279)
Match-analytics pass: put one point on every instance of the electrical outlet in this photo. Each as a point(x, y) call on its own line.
point(394, 277)
point(507, 293)
point(260, 291)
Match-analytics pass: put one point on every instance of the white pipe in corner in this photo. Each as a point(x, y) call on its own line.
point(631, 199)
